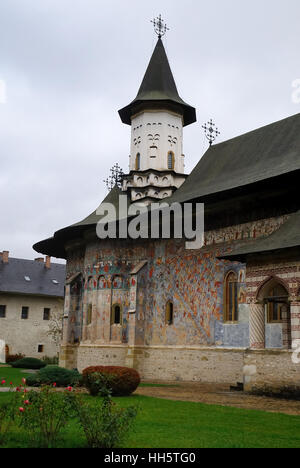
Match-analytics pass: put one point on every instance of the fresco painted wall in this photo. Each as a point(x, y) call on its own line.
point(192, 280)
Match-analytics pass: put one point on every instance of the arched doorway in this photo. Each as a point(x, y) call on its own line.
point(275, 298)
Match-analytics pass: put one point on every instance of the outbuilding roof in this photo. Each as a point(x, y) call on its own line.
point(32, 277)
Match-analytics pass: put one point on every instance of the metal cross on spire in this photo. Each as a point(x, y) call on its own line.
point(159, 26)
point(211, 131)
point(115, 178)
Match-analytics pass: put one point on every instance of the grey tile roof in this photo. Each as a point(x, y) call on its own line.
point(13, 273)
point(259, 155)
point(287, 236)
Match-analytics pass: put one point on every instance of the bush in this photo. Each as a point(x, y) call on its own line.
point(44, 415)
point(54, 374)
point(105, 425)
point(51, 361)
point(120, 381)
point(8, 415)
point(28, 363)
point(14, 358)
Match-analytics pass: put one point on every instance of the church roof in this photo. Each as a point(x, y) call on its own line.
point(287, 236)
point(259, 155)
point(158, 88)
point(262, 154)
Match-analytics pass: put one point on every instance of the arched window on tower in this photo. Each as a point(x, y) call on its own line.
point(138, 162)
point(231, 306)
point(171, 161)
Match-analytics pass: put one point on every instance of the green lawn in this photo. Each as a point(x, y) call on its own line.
point(9, 374)
point(173, 424)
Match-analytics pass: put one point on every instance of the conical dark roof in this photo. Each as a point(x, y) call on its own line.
point(158, 88)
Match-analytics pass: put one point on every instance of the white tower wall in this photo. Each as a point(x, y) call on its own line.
point(154, 134)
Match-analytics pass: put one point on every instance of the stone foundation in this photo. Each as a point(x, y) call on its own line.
point(256, 368)
point(270, 369)
point(162, 363)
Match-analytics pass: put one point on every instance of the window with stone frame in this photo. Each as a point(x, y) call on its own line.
point(2, 311)
point(231, 306)
point(25, 313)
point(46, 315)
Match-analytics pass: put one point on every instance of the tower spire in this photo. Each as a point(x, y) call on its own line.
point(159, 90)
point(157, 116)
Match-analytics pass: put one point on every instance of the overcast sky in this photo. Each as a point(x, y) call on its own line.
point(68, 66)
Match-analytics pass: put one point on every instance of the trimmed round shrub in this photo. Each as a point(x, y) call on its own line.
point(54, 374)
point(29, 363)
point(120, 381)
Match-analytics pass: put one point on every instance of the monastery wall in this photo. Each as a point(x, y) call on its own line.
point(198, 346)
point(192, 280)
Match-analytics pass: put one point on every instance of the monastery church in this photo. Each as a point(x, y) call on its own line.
point(228, 312)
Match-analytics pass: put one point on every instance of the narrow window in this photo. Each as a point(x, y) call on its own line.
point(231, 298)
point(138, 162)
point(116, 317)
point(171, 161)
point(46, 314)
point(2, 311)
point(40, 348)
point(169, 313)
point(25, 313)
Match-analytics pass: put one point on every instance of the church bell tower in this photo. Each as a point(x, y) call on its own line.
point(157, 117)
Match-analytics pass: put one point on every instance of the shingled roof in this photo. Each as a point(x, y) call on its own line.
point(262, 154)
point(286, 237)
point(159, 89)
point(32, 277)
